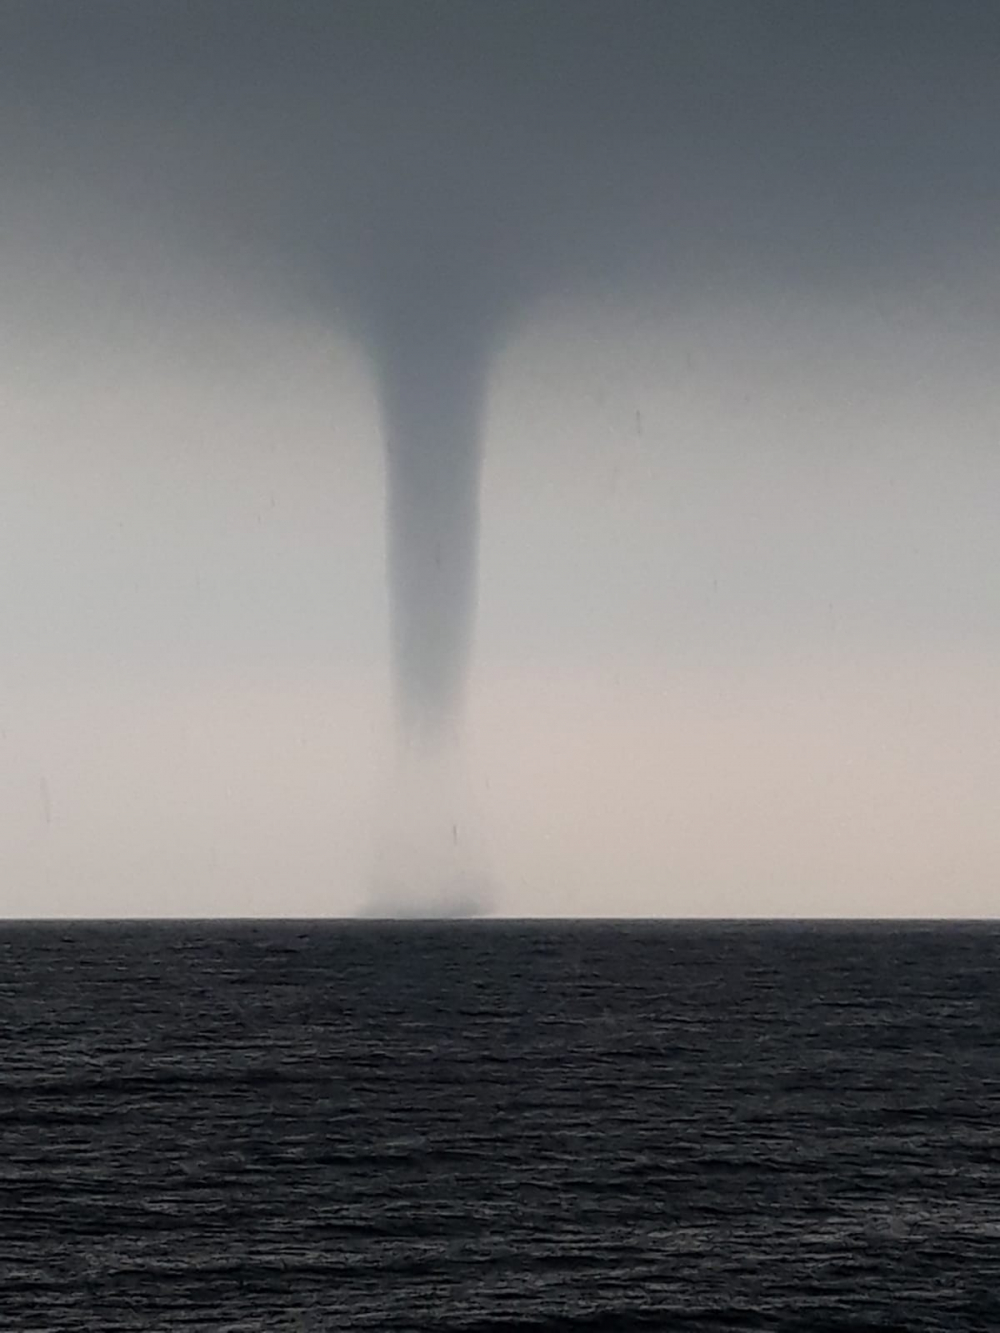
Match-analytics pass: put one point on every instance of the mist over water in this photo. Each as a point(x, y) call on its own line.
point(430, 857)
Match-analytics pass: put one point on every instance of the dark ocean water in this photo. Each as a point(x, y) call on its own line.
point(499, 1127)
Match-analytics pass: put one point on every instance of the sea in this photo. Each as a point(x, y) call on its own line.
point(483, 1127)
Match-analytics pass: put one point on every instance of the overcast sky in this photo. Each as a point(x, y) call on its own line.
point(738, 645)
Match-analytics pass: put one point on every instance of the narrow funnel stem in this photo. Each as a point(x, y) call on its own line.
point(432, 392)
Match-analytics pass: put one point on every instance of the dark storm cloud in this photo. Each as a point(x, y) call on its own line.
point(424, 172)
point(517, 145)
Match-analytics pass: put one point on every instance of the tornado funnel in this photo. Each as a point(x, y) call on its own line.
point(430, 350)
point(431, 388)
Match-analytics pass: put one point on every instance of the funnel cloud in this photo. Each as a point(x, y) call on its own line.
point(431, 373)
point(431, 376)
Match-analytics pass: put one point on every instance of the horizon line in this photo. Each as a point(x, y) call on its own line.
point(501, 920)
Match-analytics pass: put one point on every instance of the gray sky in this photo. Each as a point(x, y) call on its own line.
point(739, 618)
